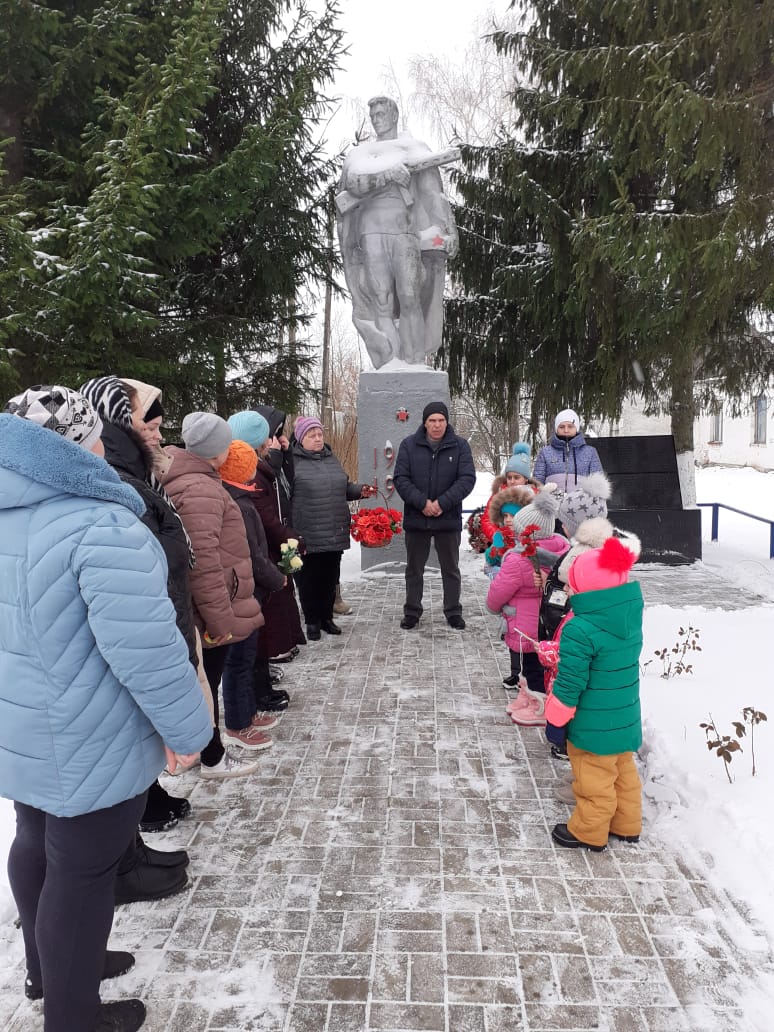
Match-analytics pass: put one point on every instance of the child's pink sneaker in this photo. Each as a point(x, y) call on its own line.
point(531, 713)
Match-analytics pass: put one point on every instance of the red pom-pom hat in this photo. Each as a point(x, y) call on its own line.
point(600, 568)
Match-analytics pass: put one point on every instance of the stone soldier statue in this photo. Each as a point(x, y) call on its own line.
point(396, 230)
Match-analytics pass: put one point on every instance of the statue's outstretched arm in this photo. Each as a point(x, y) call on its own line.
point(429, 187)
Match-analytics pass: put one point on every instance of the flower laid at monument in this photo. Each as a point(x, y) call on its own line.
point(477, 539)
point(374, 528)
point(290, 561)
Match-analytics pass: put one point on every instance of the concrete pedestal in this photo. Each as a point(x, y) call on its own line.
point(384, 398)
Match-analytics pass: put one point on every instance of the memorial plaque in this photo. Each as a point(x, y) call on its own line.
point(647, 498)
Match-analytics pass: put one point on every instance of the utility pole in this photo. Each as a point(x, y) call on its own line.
point(326, 344)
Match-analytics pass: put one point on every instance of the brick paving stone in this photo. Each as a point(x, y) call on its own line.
point(426, 978)
point(389, 868)
point(407, 1017)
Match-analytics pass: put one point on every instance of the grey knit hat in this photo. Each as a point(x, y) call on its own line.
point(587, 499)
point(542, 511)
point(60, 409)
point(206, 434)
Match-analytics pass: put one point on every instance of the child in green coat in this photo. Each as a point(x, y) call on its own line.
point(596, 694)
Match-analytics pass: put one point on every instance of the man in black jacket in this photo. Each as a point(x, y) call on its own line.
point(433, 473)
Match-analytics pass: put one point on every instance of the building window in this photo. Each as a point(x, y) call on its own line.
point(761, 409)
point(716, 425)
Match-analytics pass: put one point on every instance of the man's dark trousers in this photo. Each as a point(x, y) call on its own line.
point(447, 545)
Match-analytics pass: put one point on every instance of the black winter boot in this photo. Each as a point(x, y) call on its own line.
point(147, 882)
point(120, 1016)
point(162, 811)
point(160, 857)
point(562, 835)
point(272, 702)
point(117, 962)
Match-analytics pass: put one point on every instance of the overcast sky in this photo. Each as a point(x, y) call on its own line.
point(380, 34)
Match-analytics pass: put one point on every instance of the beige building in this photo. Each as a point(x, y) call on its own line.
point(720, 438)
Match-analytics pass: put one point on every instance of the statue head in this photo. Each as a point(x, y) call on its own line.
point(384, 116)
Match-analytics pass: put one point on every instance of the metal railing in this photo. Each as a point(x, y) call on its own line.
point(715, 506)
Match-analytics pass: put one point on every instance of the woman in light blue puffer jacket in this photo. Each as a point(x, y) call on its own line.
point(95, 682)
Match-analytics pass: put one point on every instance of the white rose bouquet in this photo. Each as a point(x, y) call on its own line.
point(290, 562)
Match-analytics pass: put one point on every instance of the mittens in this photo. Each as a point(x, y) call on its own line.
point(548, 653)
point(557, 712)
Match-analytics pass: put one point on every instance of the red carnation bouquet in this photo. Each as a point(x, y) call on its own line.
point(374, 528)
point(495, 552)
point(528, 545)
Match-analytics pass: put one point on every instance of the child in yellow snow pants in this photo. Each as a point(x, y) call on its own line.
point(596, 698)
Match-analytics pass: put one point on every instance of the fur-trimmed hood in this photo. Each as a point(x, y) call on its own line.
point(521, 496)
point(593, 534)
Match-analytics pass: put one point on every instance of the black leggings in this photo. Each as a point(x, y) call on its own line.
point(62, 872)
point(214, 661)
point(531, 667)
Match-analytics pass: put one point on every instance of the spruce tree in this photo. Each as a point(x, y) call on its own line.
point(163, 166)
point(620, 239)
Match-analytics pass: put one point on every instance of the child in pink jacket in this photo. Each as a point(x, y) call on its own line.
point(514, 593)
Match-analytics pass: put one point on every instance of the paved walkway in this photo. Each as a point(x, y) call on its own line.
point(391, 868)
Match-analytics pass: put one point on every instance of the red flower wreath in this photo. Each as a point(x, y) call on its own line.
point(374, 528)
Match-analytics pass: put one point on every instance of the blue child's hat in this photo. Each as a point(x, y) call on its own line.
point(519, 460)
point(510, 507)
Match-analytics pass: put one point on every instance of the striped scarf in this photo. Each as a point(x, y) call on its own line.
point(108, 396)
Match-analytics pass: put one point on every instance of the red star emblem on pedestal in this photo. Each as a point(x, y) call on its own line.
point(438, 241)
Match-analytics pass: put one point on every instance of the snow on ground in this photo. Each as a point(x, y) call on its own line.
point(689, 800)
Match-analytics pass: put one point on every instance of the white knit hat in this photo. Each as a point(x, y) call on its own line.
point(567, 415)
